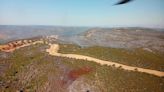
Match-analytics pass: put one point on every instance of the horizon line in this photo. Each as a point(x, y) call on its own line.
point(120, 26)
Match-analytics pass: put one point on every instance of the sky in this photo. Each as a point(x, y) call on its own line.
point(99, 13)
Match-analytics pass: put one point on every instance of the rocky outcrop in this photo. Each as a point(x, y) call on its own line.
point(11, 46)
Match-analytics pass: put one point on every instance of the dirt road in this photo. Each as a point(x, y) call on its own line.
point(53, 50)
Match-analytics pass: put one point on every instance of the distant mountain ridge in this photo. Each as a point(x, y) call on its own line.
point(22, 32)
point(121, 38)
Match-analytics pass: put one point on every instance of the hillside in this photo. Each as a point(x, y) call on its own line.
point(96, 60)
point(148, 39)
point(32, 69)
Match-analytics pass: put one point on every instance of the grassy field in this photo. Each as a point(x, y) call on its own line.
point(136, 57)
point(31, 69)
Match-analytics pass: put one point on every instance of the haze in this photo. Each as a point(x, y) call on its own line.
point(102, 13)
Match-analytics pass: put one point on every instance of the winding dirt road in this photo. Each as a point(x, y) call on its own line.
point(53, 50)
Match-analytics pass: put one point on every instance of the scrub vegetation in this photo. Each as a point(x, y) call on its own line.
point(31, 69)
point(133, 57)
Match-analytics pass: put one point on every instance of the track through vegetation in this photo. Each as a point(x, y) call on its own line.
point(53, 50)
